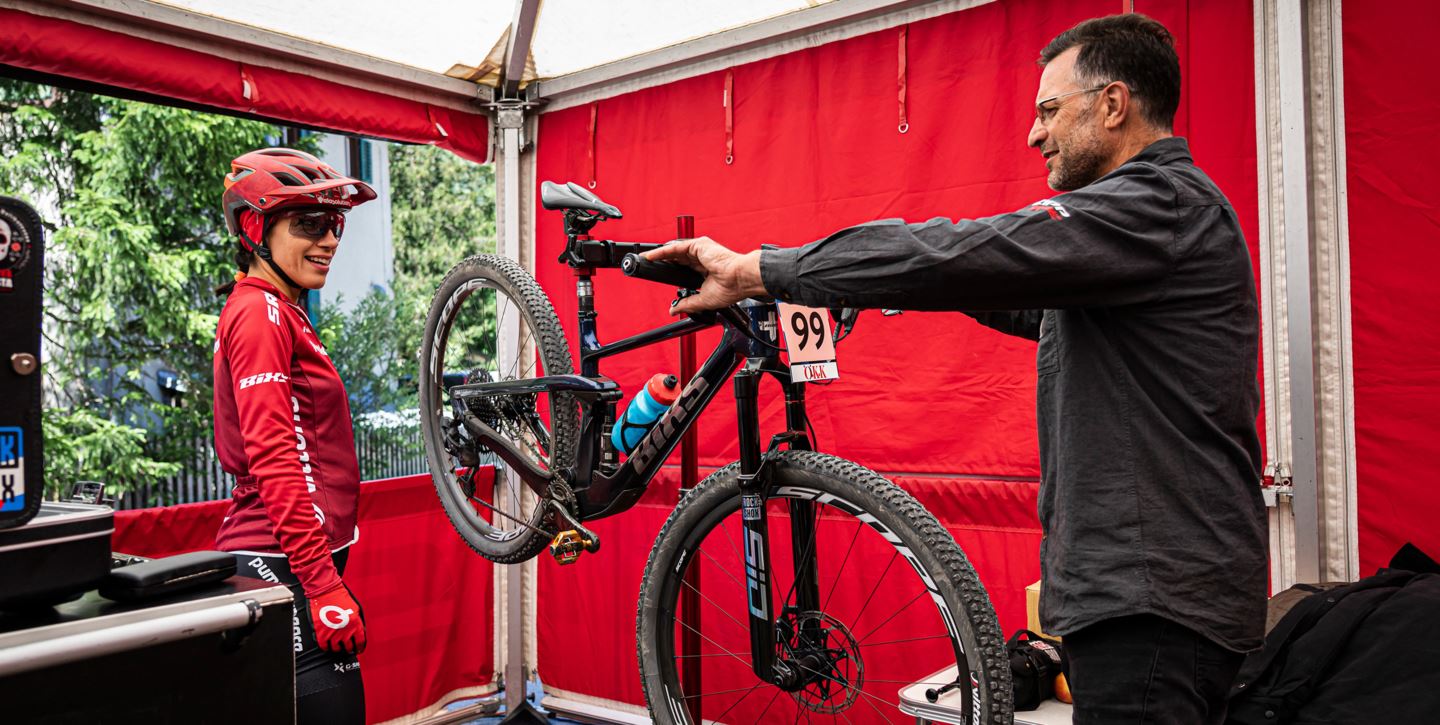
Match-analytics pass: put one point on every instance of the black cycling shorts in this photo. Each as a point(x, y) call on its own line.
point(328, 686)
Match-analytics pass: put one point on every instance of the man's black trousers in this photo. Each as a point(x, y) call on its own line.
point(1148, 669)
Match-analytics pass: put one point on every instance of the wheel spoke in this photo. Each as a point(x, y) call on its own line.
point(712, 603)
point(868, 599)
point(909, 639)
point(855, 537)
point(717, 692)
point(806, 557)
point(761, 718)
point(722, 569)
point(892, 616)
point(721, 716)
point(707, 639)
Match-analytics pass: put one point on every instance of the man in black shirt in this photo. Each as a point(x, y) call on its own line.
point(1138, 286)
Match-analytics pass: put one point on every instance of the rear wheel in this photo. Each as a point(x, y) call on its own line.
point(490, 321)
point(897, 605)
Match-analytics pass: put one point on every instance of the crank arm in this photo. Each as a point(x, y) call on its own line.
point(590, 539)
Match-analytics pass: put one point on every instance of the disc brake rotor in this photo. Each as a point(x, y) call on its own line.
point(827, 656)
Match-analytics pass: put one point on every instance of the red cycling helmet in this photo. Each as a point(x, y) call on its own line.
point(269, 180)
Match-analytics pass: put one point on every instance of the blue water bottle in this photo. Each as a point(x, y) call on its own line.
point(649, 404)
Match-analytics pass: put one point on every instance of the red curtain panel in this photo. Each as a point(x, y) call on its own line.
point(65, 48)
point(1394, 207)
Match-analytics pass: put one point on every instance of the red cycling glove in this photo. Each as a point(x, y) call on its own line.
point(336, 619)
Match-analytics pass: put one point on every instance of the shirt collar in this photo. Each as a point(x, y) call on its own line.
point(264, 285)
point(1164, 151)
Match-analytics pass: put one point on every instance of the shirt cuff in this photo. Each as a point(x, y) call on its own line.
point(779, 272)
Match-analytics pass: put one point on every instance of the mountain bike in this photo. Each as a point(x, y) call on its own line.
point(790, 584)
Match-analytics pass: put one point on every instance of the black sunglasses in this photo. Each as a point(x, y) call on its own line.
point(313, 225)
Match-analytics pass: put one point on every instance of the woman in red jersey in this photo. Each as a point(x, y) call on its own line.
point(282, 421)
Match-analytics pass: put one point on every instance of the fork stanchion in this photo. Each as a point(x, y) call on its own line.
point(689, 476)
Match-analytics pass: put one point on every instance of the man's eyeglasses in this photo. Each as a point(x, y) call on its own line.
point(1046, 108)
point(313, 225)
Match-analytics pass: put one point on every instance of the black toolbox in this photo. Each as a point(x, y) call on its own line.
point(58, 555)
point(21, 262)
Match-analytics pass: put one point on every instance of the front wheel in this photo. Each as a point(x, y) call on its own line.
point(878, 600)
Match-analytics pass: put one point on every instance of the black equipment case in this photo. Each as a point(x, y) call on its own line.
point(56, 556)
point(21, 468)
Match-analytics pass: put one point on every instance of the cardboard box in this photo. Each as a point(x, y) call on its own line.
point(1032, 611)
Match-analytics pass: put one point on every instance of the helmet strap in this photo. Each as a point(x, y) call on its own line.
point(262, 250)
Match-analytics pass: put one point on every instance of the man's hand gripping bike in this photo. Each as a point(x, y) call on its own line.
point(788, 585)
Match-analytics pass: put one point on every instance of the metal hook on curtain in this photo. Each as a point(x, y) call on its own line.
point(439, 128)
point(590, 153)
point(248, 87)
point(729, 116)
point(904, 126)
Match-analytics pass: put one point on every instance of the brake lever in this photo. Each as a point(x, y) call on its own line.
point(738, 320)
point(845, 318)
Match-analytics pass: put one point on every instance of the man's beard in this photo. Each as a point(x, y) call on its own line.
point(1078, 165)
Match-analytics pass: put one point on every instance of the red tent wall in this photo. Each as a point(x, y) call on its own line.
point(428, 598)
point(65, 48)
point(1394, 252)
point(934, 401)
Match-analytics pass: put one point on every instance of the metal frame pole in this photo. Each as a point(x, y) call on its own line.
point(1304, 428)
point(689, 477)
point(509, 123)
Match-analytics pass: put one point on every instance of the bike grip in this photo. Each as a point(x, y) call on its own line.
point(634, 265)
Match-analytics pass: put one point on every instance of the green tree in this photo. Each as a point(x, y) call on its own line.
point(362, 344)
point(138, 248)
point(442, 210)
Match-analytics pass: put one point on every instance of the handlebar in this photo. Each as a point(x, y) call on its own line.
point(634, 265)
point(679, 275)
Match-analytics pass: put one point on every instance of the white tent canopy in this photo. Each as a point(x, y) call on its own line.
point(438, 35)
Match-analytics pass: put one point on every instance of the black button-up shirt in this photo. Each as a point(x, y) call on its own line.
point(1140, 291)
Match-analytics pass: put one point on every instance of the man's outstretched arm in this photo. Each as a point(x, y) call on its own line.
point(729, 276)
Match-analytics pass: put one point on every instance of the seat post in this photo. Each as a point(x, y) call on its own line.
point(589, 329)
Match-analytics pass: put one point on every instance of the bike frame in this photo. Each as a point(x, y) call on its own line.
point(748, 350)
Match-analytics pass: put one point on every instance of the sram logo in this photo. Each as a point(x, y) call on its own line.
point(272, 308)
point(263, 378)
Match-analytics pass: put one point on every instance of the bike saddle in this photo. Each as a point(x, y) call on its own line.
point(574, 196)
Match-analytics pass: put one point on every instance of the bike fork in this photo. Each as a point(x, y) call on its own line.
point(759, 596)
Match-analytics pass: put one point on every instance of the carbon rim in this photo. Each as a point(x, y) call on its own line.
point(897, 628)
point(476, 314)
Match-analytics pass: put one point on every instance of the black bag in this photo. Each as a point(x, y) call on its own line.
point(162, 577)
point(1363, 652)
point(1034, 663)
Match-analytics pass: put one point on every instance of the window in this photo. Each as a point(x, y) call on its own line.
point(359, 160)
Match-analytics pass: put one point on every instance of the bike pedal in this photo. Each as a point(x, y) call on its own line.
point(567, 546)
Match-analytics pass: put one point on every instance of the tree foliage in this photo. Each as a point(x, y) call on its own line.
point(137, 250)
point(131, 193)
point(442, 210)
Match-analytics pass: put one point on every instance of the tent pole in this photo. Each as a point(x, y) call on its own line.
point(509, 123)
point(1299, 288)
point(517, 48)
